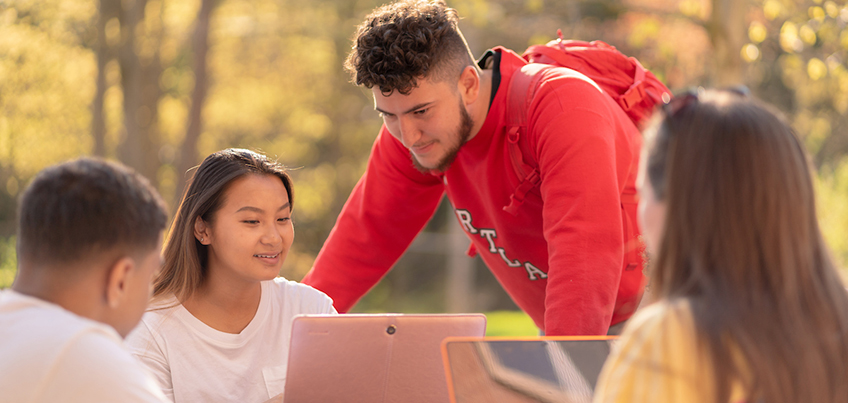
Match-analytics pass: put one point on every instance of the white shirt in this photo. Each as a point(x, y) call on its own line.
point(48, 354)
point(193, 362)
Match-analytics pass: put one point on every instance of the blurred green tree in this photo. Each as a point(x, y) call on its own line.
point(160, 84)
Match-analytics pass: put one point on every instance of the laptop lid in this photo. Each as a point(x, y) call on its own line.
point(523, 370)
point(372, 357)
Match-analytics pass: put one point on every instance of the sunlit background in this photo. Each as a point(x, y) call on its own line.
point(160, 84)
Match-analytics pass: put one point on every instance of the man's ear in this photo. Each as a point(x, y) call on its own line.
point(469, 84)
point(117, 280)
point(201, 231)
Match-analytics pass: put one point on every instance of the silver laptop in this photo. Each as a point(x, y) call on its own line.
point(372, 357)
point(525, 370)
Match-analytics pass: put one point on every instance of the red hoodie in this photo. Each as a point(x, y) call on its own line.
point(569, 257)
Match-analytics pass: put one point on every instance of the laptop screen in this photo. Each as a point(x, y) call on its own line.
point(547, 369)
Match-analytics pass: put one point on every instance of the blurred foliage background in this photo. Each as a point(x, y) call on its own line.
point(160, 84)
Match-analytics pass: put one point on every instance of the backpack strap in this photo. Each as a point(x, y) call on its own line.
point(521, 91)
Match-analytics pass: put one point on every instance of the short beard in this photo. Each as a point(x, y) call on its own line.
point(463, 132)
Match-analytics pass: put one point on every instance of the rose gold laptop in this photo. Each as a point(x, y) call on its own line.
point(372, 357)
point(524, 370)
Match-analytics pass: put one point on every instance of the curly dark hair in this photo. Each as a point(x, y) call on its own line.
point(402, 42)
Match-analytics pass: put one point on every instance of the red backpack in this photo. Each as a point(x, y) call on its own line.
point(623, 78)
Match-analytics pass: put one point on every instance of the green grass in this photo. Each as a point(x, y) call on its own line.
point(8, 262)
point(510, 323)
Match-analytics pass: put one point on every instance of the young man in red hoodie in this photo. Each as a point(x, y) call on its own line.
point(565, 254)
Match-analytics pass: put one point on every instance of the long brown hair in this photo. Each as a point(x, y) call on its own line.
point(185, 257)
point(742, 243)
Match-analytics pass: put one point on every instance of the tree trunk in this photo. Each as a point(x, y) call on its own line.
point(200, 45)
point(728, 34)
point(131, 143)
point(104, 54)
point(140, 83)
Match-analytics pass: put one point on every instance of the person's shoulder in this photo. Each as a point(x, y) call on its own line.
point(566, 95)
point(293, 292)
point(31, 316)
point(10, 299)
point(663, 319)
point(295, 289)
point(103, 348)
point(159, 319)
point(99, 360)
point(659, 347)
point(72, 358)
point(570, 86)
point(160, 309)
point(656, 349)
point(661, 334)
point(38, 337)
point(159, 313)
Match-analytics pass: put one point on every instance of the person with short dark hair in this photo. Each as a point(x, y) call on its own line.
point(565, 247)
point(220, 321)
point(750, 307)
point(89, 239)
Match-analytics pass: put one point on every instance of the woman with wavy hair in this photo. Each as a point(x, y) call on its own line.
point(749, 307)
point(220, 320)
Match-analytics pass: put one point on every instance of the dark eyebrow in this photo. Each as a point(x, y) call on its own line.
point(413, 109)
point(259, 210)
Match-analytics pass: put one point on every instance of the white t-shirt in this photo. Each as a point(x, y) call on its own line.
point(48, 354)
point(193, 362)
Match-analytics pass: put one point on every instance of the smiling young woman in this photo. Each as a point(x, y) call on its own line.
point(220, 320)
